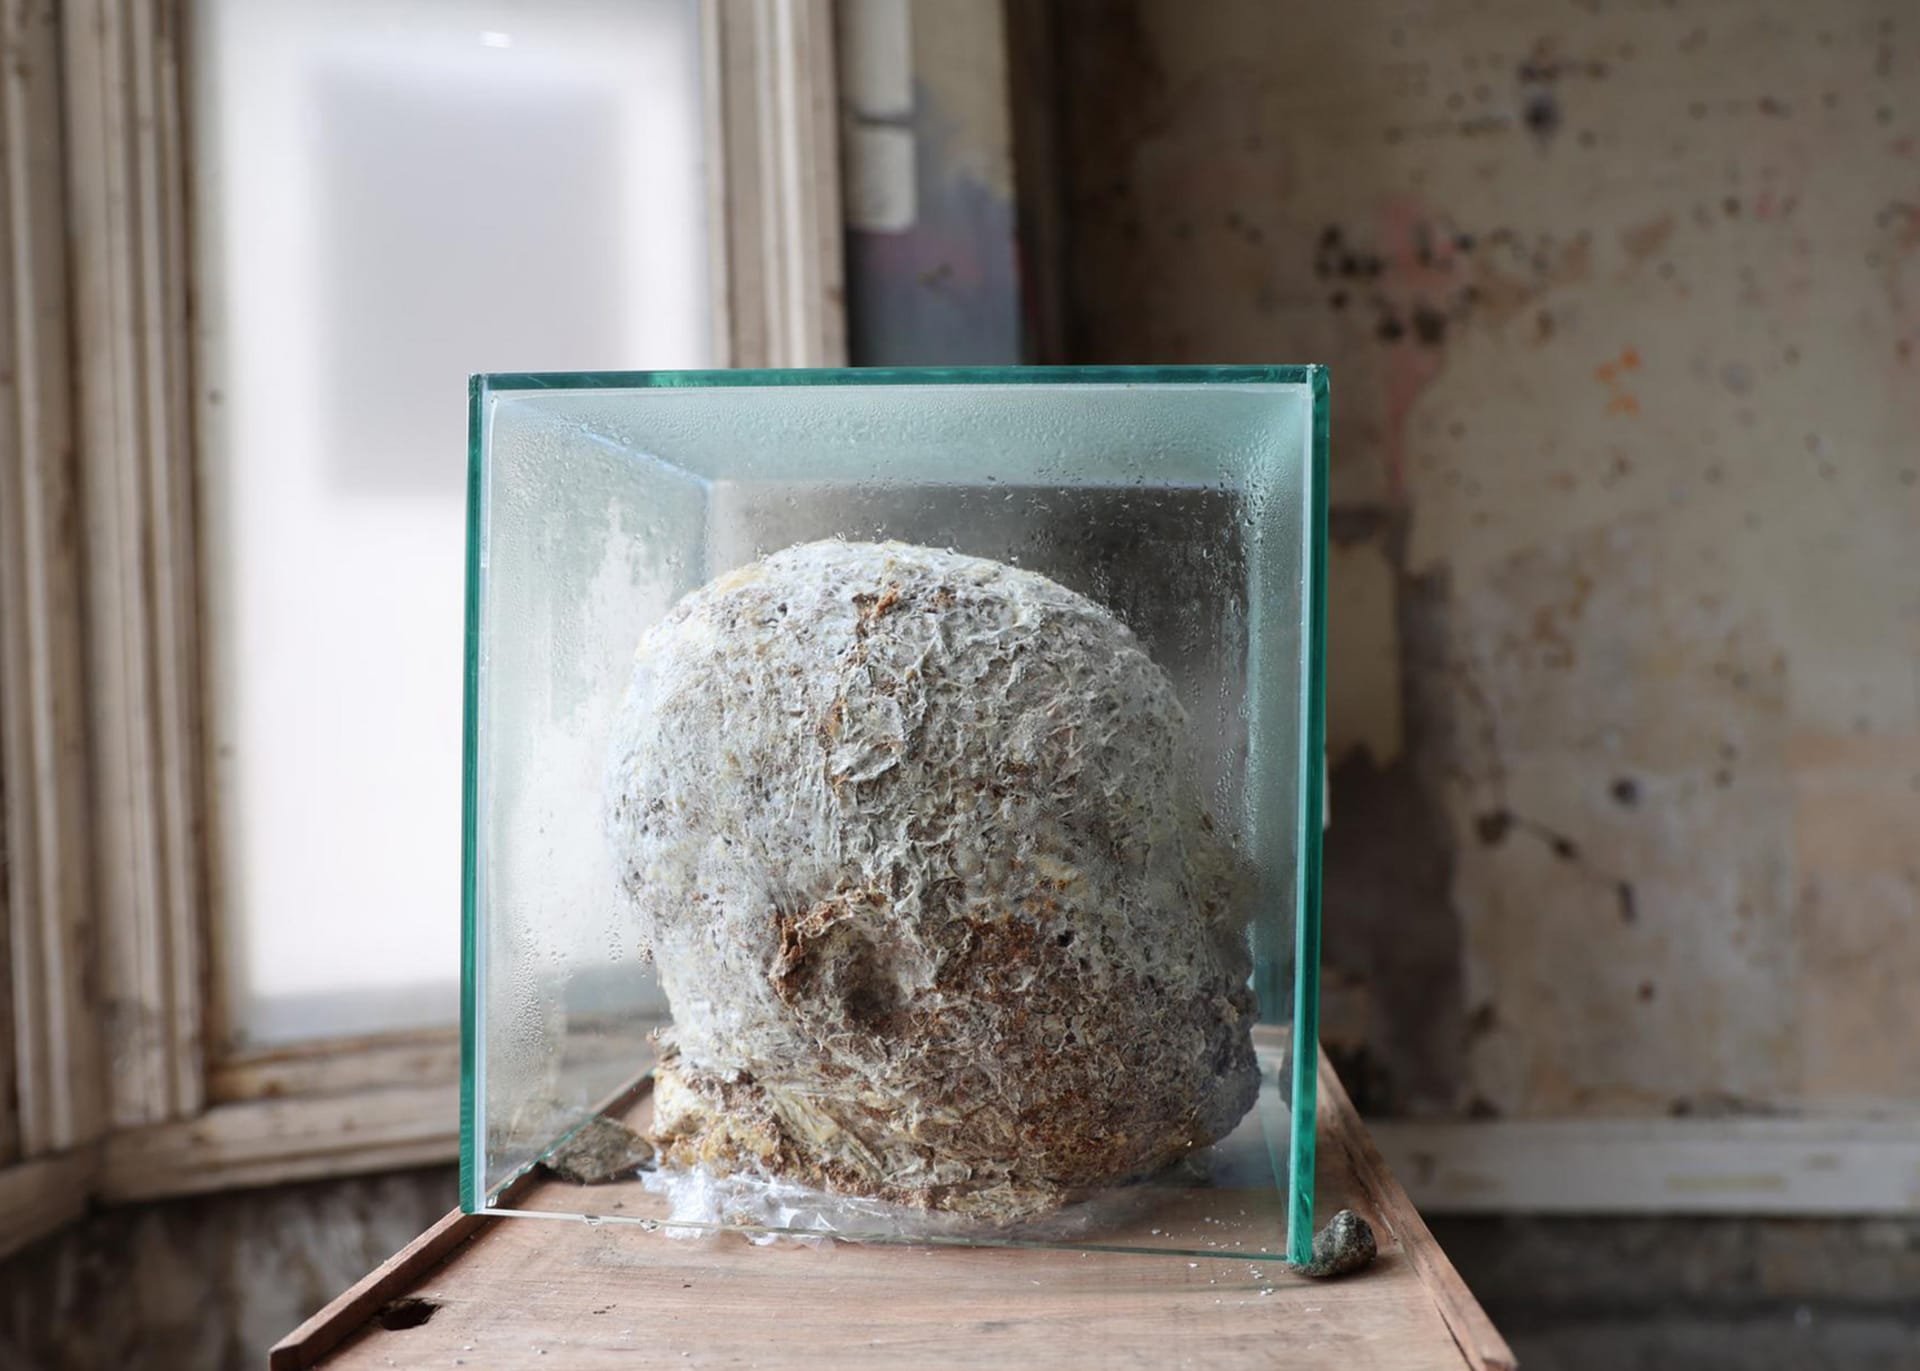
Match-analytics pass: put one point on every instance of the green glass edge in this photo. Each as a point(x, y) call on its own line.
point(903, 376)
point(470, 1122)
point(1306, 963)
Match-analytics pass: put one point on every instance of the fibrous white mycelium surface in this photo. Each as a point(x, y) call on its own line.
point(914, 841)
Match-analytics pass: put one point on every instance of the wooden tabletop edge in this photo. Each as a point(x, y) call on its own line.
point(349, 1313)
point(1473, 1332)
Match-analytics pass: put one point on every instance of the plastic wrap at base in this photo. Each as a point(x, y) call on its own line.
point(772, 1209)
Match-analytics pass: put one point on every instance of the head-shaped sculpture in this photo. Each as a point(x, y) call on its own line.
point(914, 840)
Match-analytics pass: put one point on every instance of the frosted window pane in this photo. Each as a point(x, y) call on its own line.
point(388, 197)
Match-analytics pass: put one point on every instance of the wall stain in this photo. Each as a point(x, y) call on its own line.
point(1560, 358)
point(1644, 239)
point(1388, 870)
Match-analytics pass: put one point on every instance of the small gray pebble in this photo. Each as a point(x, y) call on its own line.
point(600, 1150)
point(1344, 1246)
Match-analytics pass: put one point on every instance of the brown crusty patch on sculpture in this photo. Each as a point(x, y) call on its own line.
point(914, 840)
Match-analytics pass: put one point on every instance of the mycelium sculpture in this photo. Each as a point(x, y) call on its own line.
point(914, 840)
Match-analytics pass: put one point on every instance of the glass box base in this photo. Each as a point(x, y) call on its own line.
point(1229, 1199)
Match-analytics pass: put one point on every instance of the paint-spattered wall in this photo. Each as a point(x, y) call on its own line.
point(1622, 301)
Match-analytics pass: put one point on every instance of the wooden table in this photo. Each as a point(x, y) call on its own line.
point(555, 1295)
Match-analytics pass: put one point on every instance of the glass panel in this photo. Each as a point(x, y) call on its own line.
point(358, 165)
point(963, 886)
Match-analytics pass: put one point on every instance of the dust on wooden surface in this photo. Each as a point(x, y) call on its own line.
point(554, 1294)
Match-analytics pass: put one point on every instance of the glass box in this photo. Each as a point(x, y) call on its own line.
point(893, 799)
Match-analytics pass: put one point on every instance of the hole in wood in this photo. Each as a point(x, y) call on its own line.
point(410, 1311)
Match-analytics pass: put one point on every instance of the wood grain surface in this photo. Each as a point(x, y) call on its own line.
point(567, 1293)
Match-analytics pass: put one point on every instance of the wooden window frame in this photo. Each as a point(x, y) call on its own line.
point(52, 1115)
point(113, 1085)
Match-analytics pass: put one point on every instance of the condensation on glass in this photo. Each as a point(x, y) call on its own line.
point(1189, 503)
point(387, 197)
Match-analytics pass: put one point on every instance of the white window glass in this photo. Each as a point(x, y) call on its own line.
point(386, 197)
